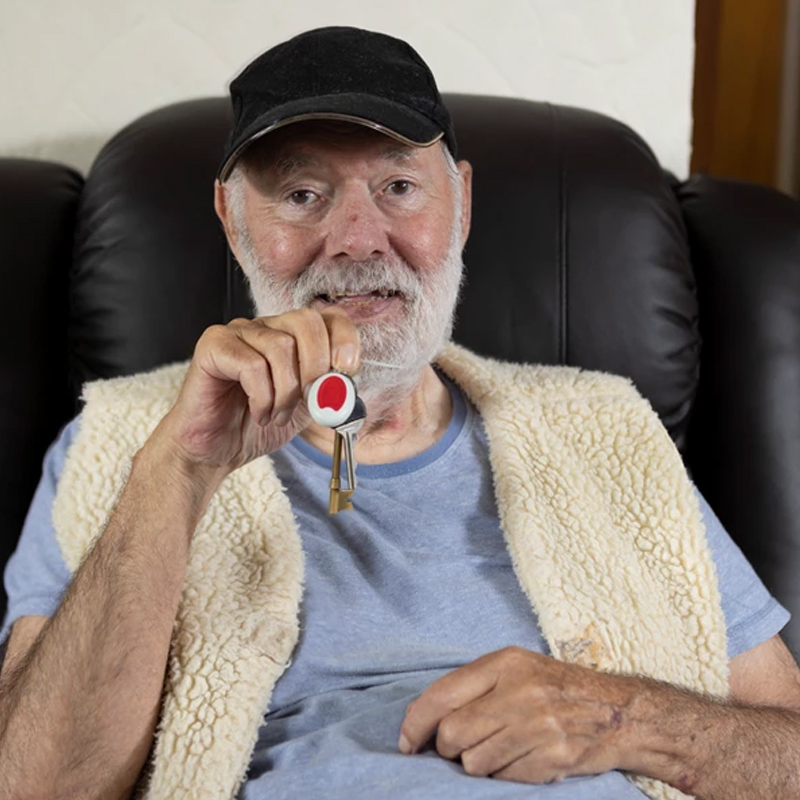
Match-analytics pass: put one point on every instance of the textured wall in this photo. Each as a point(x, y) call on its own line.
point(75, 72)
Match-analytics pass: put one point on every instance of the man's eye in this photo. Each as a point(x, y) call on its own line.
point(302, 197)
point(399, 188)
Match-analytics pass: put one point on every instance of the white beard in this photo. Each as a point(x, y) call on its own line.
point(408, 343)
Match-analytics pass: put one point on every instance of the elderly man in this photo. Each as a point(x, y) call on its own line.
point(527, 586)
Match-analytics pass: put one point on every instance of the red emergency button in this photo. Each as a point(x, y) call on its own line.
point(331, 399)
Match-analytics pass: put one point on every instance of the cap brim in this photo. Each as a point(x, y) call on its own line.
point(392, 119)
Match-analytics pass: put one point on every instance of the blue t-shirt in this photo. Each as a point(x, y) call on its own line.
point(413, 583)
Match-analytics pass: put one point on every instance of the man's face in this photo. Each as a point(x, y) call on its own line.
point(340, 215)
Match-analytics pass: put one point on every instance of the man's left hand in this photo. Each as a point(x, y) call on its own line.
point(523, 716)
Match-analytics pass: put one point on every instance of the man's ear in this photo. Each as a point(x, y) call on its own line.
point(224, 214)
point(465, 171)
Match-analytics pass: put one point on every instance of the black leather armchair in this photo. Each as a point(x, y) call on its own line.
point(583, 252)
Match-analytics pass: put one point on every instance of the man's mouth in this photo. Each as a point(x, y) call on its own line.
point(358, 297)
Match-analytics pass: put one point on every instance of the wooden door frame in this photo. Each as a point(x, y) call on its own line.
point(740, 130)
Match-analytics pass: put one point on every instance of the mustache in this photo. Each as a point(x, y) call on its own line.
point(378, 274)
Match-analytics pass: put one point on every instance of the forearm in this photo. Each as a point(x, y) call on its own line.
point(713, 750)
point(78, 715)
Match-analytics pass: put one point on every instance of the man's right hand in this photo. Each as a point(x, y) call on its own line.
point(98, 666)
point(243, 393)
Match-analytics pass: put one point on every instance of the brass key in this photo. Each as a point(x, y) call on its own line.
point(345, 436)
point(339, 498)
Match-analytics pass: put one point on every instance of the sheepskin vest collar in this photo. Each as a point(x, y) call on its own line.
point(602, 525)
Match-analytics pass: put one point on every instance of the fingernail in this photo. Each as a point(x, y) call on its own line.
point(403, 745)
point(345, 357)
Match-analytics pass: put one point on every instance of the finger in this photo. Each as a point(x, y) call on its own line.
point(344, 339)
point(500, 751)
point(312, 341)
point(227, 358)
point(443, 697)
point(536, 762)
point(279, 351)
point(239, 322)
point(468, 727)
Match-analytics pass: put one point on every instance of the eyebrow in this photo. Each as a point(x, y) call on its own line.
point(287, 165)
point(401, 153)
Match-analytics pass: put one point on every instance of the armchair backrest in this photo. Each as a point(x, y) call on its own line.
point(583, 252)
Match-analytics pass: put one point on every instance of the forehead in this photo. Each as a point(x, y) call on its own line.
point(305, 145)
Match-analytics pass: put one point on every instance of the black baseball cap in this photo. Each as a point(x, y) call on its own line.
point(338, 73)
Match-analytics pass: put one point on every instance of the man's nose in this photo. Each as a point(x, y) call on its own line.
point(357, 228)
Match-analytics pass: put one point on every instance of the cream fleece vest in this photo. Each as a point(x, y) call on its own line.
point(601, 522)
